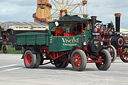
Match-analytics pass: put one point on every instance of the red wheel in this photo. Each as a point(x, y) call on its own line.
point(30, 59)
point(124, 55)
point(78, 60)
point(105, 61)
point(112, 52)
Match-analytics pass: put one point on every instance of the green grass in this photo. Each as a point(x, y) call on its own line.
point(11, 50)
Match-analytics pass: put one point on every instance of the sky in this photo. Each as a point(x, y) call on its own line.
point(22, 10)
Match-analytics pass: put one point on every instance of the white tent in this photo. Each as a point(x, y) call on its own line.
point(124, 31)
point(23, 26)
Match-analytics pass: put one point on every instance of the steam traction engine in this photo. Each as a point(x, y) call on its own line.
point(77, 46)
point(113, 40)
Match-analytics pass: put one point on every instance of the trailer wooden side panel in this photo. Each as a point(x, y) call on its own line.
point(32, 39)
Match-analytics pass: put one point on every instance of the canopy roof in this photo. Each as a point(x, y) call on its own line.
point(8, 25)
point(75, 19)
point(81, 20)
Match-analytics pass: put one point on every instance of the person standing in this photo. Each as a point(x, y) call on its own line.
point(1, 40)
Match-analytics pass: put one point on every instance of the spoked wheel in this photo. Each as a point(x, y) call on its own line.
point(5, 49)
point(105, 60)
point(124, 56)
point(30, 60)
point(78, 60)
point(65, 65)
point(112, 52)
point(60, 64)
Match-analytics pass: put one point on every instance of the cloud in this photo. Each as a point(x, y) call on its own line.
point(105, 10)
point(17, 10)
point(22, 10)
point(20, 2)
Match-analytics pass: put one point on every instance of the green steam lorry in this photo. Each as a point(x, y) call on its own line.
point(78, 46)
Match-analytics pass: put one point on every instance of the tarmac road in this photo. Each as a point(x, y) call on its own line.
point(13, 72)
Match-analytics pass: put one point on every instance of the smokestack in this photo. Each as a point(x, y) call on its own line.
point(117, 21)
point(93, 23)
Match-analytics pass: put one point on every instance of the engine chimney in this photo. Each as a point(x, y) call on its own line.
point(117, 21)
point(93, 23)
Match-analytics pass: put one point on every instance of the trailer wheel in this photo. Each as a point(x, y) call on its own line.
point(78, 60)
point(112, 52)
point(65, 65)
point(5, 49)
point(29, 59)
point(105, 61)
point(39, 60)
point(60, 64)
point(124, 54)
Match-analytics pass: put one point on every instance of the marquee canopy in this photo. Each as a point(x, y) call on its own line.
point(8, 25)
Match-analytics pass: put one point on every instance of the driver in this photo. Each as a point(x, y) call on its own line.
point(59, 31)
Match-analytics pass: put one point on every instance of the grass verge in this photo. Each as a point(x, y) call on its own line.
point(11, 50)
